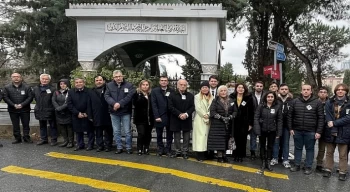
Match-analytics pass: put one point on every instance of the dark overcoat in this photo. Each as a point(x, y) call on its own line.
point(245, 115)
point(177, 104)
point(143, 113)
point(99, 107)
point(44, 109)
point(59, 101)
point(159, 101)
point(79, 101)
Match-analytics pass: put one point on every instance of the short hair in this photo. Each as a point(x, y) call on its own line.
point(117, 71)
point(45, 74)
point(79, 78)
point(16, 73)
point(221, 87)
point(345, 87)
point(104, 78)
point(283, 85)
point(274, 83)
point(323, 88)
point(258, 82)
point(163, 76)
point(230, 84)
point(246, 92)
point(213, 77)
point(181, 80)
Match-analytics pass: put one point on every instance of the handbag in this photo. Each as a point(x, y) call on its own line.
point(231, 144)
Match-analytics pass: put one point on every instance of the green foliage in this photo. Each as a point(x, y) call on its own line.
point(192, 69)
point(293, 76)
point(346, 79)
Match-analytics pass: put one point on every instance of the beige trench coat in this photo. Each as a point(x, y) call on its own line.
point(200, 127)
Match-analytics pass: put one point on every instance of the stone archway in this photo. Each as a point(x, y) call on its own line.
point(196, 29)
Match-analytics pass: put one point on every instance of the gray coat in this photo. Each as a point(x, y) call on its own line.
point(59, 101)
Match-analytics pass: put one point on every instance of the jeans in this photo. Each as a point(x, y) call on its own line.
point(15, 119)
point(253, 137)
point(301, 139)
point(117, 130)
point(169, 139)
point(43, 130)
point(281, 146)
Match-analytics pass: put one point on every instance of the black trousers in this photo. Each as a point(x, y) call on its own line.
point(169, 139)
point(144, 136)
point(241, 143)
point(24, 117)
point(104, 136)
point(267, 140)
point(66, 131)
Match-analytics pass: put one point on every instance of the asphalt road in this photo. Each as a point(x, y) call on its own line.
point(30, 168)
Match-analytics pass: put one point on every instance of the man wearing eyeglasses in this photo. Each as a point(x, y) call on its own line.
point(323, 97)
point(118, 96)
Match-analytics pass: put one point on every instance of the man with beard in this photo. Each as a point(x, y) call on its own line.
point(323, 97)
point(281, 146)
point(100, 115)
point(213, 82)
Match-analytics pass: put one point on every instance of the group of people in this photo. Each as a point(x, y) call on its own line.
point(217, 116)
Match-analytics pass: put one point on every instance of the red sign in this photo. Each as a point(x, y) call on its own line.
point(275, 74)
point(268, 69)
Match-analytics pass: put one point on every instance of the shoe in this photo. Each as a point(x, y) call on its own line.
point(119, 151)
point(198, 159)
point(268, 165)
point(168, 154)
point(42, 142)
point(1, 145)
point(89, 148)
point(159, 154)
point(308, 171)
point(252, 155)
point(220, 160)
point(327, 173)
point(53, 143)
point(274, 162)
point(99, 149)
point(286, 164)
point(185, 156)
point(27, 140)
point(319, 168)
point(107, 149)
point(78, 148)
point(129, 151)
point(64, 144)
point(70, 145)
point(146, 151)
point(263, 164)
point(295, 168)
point(240, 159)
point(139, 152)
point(342, 176)
point(235, 159)
point(17, 141)
point(175, 155)
point(225, 159)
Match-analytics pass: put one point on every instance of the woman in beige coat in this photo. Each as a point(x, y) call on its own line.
point(201, 121)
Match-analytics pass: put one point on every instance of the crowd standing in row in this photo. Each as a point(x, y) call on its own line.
point(220, 114)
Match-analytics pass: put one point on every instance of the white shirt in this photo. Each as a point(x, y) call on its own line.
point(258, 97)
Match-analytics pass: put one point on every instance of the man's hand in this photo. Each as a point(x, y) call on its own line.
point(80, 115)
point(116, 106)
point(19, 106)
point(85, 115)
point(330, 124)
point(183, 116)
point(250, 127)
point(291, 132)
point(317, 136)
point(158, 120)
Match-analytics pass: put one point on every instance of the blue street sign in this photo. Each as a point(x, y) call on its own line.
point(280, 48)
point(281, 56)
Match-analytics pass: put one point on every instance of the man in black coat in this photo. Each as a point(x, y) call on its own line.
point(100, 115)
point(181, 107)
point(18, 97)
point(1, 95)
point(159, 101)
point(79, 104)
point(305, 123)
point(44, 110)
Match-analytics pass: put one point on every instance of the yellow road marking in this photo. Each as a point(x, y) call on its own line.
point(245, 169)
point(97, 184)
point(156, 169)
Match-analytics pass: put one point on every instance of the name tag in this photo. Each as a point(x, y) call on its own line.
point(48, 91)
point(126, 90)
point(183, 97)
point(244, 103)
point(232, 103)
point(308, 107)
point(23, 92)
point(167, 94)
point(347, 111)
point(272, 111)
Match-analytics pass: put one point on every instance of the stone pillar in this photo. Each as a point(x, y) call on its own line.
point(89, 67)
point(208, 70)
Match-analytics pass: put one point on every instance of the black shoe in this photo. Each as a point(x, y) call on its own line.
point(42, 142)
point(268, 165)
point(99, 149)
point(240, 159)
point(198, 159)
point(220, 160)
point(89, 148)
point(78, 148)
point(263, 164)
point(146, 151)
point(119, 151)
point(175, 155)
point(319, 168)
point(64, 144)
point(225, 159)
point(327, 173)
point(235, 159)
point(308, 171)
point(17, 141)
point(252, 155)
point(185, 156)
point(129, 151)
point(159, 154)
point(295, 168)
point(53, 143)
point(70, 145)
point(27, 140)
point(139, 152)
point(342, 176)
point(168, 154)
point(107, 149)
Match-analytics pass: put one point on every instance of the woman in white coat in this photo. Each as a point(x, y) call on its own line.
point(201, 121)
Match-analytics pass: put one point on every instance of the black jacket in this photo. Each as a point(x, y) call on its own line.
point(245, 114)
point(59, 101)
point(159, 101)
point(255, 100)
point(268, 119)
point(143, 113)
point(44, 109)
point(306, 115)
point(99, 107)
point(79, 101)
point(178, 104)
point(121, 94)
point(18, 95)
point(285, 109)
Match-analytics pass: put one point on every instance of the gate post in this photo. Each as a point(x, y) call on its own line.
point(208, 70)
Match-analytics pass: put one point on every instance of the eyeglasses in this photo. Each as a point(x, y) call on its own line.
point(340, 89)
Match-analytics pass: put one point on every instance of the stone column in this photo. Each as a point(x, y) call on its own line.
point(89, 67)
point(208, 70)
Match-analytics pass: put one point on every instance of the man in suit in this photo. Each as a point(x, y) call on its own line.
point(160, 111)
point(213, 82)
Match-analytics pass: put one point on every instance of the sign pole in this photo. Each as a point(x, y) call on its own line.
point(274, 61)
point(280, 73)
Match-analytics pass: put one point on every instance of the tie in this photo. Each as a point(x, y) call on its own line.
point(212, 92)
point(164, 92)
